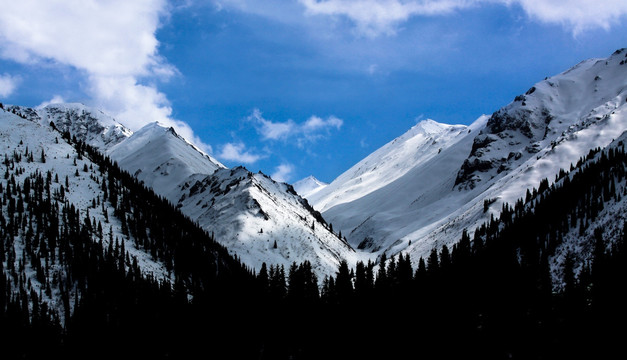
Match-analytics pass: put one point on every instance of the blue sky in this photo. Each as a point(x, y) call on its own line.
point(295, 87)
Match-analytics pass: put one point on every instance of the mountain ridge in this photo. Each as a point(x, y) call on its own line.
point(249, 213)
point(307, 186)
point(542, 131)
point(419, 191)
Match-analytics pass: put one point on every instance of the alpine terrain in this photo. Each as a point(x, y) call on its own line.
point(506, 238)
point(423, 189)
point(256, 218)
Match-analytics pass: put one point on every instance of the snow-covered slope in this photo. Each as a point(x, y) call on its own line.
point(547, 114)
point(236, 206)
point(375, 217)
point(308, 186)
point(261, 220)
point(416, 147)
point(88, 124)
point(70, 186)
point(423, 194)
point(609, 222)
point(246, 212)
point(163, 160)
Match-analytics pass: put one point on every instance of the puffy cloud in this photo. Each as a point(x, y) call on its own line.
point(102, 37)
point(8, 84)
point(315, 123)
point(375, 17)
point(311, 130)
point(283, 173)
point(270, 130)
point(317, 128)
point(382, 17)
point(578, 15)
point(237, 152)
point(111, 42)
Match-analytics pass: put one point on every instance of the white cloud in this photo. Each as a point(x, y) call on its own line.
point(373, 18)
point(102, 37)
point(577, 15)
point(311, 130)
point(317, 128)
point(270, 130)
point(111, 42)
point(237, 152)
point(316, 123)
point(8, 84)
point(283, 173)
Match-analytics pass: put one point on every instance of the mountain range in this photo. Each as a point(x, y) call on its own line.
point(258, 219)
point(103, 228)
point(424, 188)
point(419, 191)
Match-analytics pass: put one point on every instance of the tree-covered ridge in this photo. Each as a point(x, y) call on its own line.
point(66, 268)
point(494, 296)
point(75, 279)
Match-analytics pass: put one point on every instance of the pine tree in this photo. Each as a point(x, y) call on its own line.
point(363, 281)
point(445, 258)
point(432, 262)
point(381, 281)
point(569, 274)
point(263, 279)
point(343, 283)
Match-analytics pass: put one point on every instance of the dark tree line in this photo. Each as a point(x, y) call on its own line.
point(490, 297)
point(104, 295)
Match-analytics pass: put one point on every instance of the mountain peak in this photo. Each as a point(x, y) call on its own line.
point(153, 126)
point(88, 124)
point(429, 126)
point(308, 186)
point(76, 105)
point(161, 158)
point(546, 114)
point(418, 145)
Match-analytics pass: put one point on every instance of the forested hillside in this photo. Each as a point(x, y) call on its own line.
point(94, 264)
point(71, 281)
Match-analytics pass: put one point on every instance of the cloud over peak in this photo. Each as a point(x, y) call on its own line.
point(112, 43)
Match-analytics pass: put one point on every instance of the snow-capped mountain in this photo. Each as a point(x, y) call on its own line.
point(423, 189)
point(247, 212)
point(308, 186)
point(375, 217)
point(417, 146)
point(546, 115)
point(417, 192)
point(163, 160)
point(261, 220)
point(32, 149)
point(88, 124)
